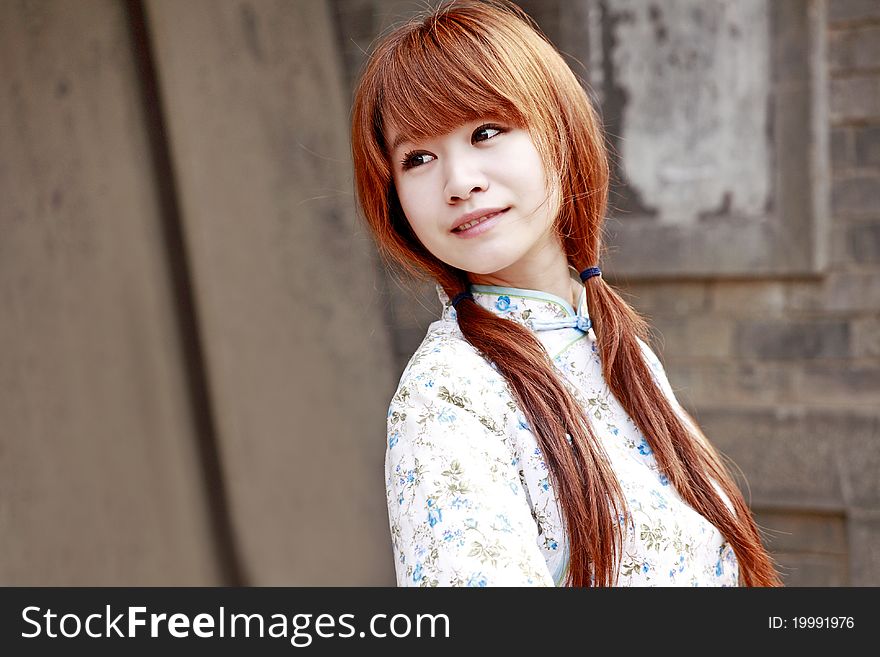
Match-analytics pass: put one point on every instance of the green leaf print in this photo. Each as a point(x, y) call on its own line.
point(599, 406)
point(630, 568)
point(457, 400)
point(653, 537)
point(680, 545)
point(418, 473)
point(455, 485)
point(454, 470)
point(457, 488)
point(485, 552)
point(489, 423)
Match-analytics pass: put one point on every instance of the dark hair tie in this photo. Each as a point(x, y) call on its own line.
point(590, 272)
point(461, 295)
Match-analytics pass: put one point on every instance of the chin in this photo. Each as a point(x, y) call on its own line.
point(478, 265)
point(483, 266)
point(476, 270)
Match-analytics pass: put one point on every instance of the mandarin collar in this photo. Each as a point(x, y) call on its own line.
point(537, 310)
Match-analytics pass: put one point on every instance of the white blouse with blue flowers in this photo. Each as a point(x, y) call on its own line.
point(470, 502)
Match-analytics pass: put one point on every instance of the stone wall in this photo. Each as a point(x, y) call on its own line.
point(784, 374)
point(782, 369)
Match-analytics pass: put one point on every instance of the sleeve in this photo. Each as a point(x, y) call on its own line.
point(458, 513)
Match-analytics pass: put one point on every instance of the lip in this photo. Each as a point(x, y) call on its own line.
point(481, 227)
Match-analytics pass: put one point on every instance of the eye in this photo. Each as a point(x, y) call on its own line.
point(486, 132)
point(414, 159)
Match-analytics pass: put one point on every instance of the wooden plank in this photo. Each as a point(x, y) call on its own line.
point(298, 353)
point(100, 480)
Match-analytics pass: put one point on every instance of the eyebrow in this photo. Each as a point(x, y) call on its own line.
point(398, 140)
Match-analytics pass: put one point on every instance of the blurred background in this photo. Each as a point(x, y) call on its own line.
point(199, 343)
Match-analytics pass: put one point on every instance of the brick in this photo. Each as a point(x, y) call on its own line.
point(852, 10)
point(805, 295)
point(853, 292)
point(855, 98)
point(803, 531)
point(866, 337)
point(796, 458)
point(846, 382)
point(863, 243)
point(841, 148)
point(864, 539)
point(655, 299)
point(837, 292)
point(748, 298)
point(792, 340)
point(867, 146)
point(854, 49)
point(812, 569)
point(699, 336)
point(858, 456)
point(786, 454)
point(856, 194)
point(840, 258)
point(719, 383)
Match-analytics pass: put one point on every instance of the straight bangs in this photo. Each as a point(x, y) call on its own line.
point(434, 83)
point(460, 66)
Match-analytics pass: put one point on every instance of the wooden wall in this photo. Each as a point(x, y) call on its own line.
point(195, 362)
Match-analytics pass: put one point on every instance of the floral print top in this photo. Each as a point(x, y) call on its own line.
point(470, 501)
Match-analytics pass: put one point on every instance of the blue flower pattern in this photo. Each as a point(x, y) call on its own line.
point(470, 500)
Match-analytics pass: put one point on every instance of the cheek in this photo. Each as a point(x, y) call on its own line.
point(539, 193)
point(414, 208)
point(526, 170)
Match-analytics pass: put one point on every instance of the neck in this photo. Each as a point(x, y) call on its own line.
point(547, 271)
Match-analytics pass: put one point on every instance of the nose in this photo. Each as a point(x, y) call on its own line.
point(463, 178)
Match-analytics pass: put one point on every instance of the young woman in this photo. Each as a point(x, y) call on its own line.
point(534, 438)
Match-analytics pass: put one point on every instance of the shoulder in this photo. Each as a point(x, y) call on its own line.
point(447, 372)
point(446, 357)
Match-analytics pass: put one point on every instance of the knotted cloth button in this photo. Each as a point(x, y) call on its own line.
point(580, 322)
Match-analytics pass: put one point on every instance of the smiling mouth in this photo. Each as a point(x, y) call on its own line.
point(476, 222)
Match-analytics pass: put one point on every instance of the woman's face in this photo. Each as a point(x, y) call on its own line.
point(478, 197)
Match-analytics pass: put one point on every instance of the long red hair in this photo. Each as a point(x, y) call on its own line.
point(470, 59)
